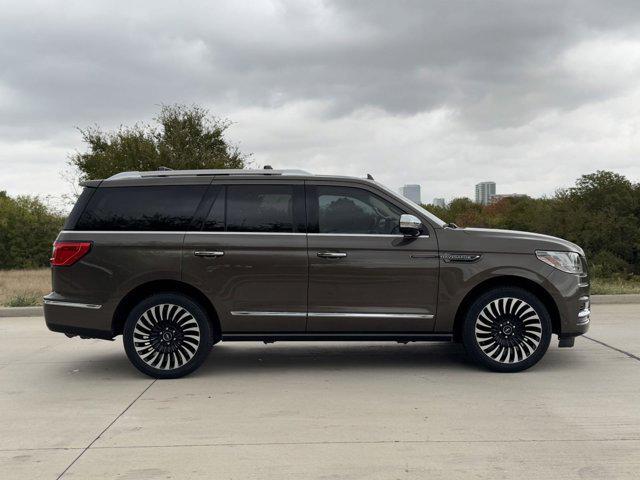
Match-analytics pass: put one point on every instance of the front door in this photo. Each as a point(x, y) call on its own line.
point(364, 276)
point(249, 256)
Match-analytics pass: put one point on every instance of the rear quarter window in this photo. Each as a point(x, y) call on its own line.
point(148, 208)
point(78, 208)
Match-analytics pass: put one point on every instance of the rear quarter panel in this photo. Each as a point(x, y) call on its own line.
point(117, 263)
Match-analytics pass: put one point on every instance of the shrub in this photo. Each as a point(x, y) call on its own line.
point(27, 231)
point(24, 299)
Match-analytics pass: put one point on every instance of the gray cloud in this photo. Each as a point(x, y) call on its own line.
point(474, 82)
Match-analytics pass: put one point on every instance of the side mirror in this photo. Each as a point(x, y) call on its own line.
point(410, 225)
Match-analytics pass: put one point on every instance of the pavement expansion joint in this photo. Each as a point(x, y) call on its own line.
point(105, 429)
point(628, 354)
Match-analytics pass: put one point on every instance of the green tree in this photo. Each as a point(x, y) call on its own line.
point(27, 231)
point(601, 213)
point(182, 138)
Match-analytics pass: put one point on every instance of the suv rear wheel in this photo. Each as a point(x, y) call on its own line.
point(167, 335)
point(507, 329)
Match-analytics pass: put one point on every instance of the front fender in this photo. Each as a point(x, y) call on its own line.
point(458, 279)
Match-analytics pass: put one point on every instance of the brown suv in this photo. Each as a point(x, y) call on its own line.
point(179, 260)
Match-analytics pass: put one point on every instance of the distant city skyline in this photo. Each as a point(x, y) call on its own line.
point(439, 202)
point(484, 191)
point(412, 192)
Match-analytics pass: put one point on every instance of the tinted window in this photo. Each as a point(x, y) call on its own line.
point(156, 208)
point(78, 208)
point(215, 221)
point(260, 208)
point(354, 210)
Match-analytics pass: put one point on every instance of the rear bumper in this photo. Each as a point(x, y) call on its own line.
point(73, 317)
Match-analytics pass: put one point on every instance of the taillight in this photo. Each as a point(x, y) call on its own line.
point(68, 253)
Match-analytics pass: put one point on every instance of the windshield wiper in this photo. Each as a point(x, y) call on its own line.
point(450, 225)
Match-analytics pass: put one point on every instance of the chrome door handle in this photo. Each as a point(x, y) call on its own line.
point(332, 254)
point(201, 253)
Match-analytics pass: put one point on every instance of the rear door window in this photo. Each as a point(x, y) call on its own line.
point(263, 208)
point(144, 208)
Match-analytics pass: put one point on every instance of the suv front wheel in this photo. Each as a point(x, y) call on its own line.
point(507, 329)
point(167, 335)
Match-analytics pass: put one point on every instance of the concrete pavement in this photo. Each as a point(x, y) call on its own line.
point(76, 409)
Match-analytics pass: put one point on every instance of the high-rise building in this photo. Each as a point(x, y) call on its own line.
point(484, 191)
point(412, 192)
point(439, 202)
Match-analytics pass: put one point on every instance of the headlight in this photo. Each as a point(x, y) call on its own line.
point(566, 261)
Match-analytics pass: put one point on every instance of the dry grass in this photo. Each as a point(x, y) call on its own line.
point(612, 286)
point(24, 288)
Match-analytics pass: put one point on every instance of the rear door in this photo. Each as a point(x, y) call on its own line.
point(249, 255)
point(364, 276)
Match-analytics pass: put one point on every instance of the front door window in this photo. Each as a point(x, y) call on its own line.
point(355, 211)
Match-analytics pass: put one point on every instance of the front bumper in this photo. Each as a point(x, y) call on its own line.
point(571, 295)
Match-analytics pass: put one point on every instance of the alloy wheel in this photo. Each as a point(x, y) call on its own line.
point(508, 330)
point(166, 336)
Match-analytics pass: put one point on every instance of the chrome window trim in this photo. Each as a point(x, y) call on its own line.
point(198, 232)
point(177, 232)
point(247, 313)
point(244, 233)
point(364, 235)
point(90, 306)
point(93, 232)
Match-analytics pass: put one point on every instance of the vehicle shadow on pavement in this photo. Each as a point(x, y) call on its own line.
point(104, 365)
point(240, 358)
point(284, 356)
point(423, 356)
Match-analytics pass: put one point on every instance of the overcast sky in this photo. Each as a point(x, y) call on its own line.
point(445, 94)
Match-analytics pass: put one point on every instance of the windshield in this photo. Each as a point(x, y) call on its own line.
point(426, 213)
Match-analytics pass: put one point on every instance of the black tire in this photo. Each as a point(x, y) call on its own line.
point(507, 329)
point(167, 335)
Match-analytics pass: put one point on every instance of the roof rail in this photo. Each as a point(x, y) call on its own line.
point(213, 172)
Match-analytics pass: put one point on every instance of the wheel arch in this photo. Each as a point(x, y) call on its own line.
point(506, 281)
point(162, 286)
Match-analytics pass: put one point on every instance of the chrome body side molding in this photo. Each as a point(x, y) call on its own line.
point(90, 306)
point(244, 313)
